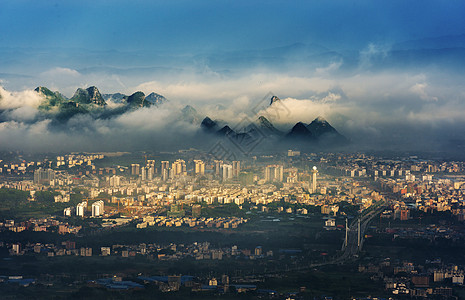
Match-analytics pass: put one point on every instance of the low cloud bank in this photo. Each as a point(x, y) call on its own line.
point(374, 105)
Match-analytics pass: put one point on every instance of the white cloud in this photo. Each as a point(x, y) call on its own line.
point(371, 52)
point(419, 89)
point(9, 100)
point(332, 67)
point(25, 113)
point(331, 97)
point(59, 72)
point(252, 85)
point(364, 105)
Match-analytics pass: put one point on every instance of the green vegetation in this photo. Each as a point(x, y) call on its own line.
point(52, 99)
point(229, 209)
point(69, 109)
point(90, 95)
point(15, 204)
point(138, 100)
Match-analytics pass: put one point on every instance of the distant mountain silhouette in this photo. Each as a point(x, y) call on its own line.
point(226, 130)
point(91, 95)
point(115, 98)
point(320, 126)
point(300, 132)
point(325, 133)
point(190, 115)
point(208, 124)
point(155, 99)
point(318, 133)
point(91, 101)
point(138, 100)
point(274, 99)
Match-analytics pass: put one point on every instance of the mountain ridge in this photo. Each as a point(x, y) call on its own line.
point(91, 101)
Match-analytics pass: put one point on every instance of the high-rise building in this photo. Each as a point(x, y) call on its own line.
point(179, 167)
point(199, 168)
point(227, 172)
point(81, 209)
point(143, 173)
point(218, 169)
point(274, 173)
point(135, 169)
point(150, 173)
point(279, 173)
point(42, 176)
point(236, 168)
point(269, 173)
point(114, 181)
point(165, 165)
point(98, 208)
point(165, 174)
point(37, 176)
point(314, 172)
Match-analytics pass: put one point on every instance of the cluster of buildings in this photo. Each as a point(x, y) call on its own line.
point(159, 193)
point(22, 166)
point(97, 209)
point(361, 165)
point(142, 189)
point(45, 225)
point(218, 222)
point(432, 194)
point(172, 251)
point(432, 279)
point(423, 185)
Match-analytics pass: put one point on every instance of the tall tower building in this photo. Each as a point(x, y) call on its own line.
point(165, 165)
point(314, 172)
point(98, 208)
point(178, 167)
point(150, 173)
point(81, 209)
point(42, 176)
point(227, 172)
point(236, 168)
point(165, 174)
point(135, 169)
point(268, 173)
point(274, 173)
point(218, 169)
point(143, 174)
point(114, 181)
point(279, 173)
point(199, 168)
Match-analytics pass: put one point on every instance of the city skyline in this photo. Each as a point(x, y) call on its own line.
point(245, 221)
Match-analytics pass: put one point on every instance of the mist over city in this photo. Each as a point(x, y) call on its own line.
point(223, 150)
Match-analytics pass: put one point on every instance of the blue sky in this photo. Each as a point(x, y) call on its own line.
point(192, 25)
